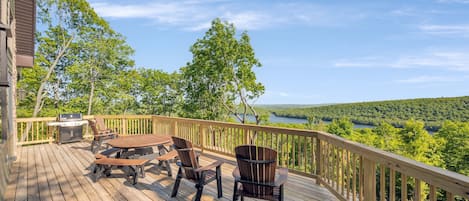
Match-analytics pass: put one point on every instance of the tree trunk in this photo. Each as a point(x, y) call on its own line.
point(40, 91)
point(90, 100)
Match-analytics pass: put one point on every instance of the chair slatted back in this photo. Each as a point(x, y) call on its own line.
point(93, 127)
point(187, 157)
point(100, 123)
point(257, 169)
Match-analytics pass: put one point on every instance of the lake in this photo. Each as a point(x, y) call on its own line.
point(290, 120)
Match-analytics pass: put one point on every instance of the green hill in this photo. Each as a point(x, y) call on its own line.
point(433, 111)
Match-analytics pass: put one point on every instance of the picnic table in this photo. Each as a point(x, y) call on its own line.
point(142, 145)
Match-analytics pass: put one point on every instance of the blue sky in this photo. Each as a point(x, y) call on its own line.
point(315, 51)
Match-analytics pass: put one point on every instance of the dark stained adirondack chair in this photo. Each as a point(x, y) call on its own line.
point(193, 171)
point(99, 136)
point(257, 175)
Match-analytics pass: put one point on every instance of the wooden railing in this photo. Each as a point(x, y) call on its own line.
point(350, 170)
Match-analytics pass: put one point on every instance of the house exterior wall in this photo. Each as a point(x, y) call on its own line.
point(10, 10)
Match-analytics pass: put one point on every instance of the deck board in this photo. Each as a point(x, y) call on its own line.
point(62, 172)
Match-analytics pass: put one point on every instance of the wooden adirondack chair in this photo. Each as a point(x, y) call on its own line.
point(257, 175)
point(193, 171)
point(101, 126)
point(99, 136)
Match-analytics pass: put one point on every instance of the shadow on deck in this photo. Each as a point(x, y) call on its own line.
point(62, 172)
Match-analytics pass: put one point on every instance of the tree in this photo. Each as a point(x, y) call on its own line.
point(419, 145)
point(78, 54)
point(388, 138)
point(220, 76)
point(104, 64)
point(158, 92)
point(342, 127)
point(455, 148)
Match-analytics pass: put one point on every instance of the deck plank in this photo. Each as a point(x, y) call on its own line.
point(13, 179)
point(54, 187)
point(44, 189)
point(64, 184)
point(22, 184)
point(76, 187)
point(63, 173)
point(86, 161)
point(32, 181)
point(74, 171)
point(85, 171)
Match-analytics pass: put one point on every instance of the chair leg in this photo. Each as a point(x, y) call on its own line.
point(142, 171)
point(200, 189)
point(168, 168)
point(176, 184)
point(93, 144)
point(97, 172)
point(235, 191)
point(100, 142)
point(281, 193)
point(219, 187)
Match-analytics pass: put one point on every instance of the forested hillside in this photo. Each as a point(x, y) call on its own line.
point(433, 111)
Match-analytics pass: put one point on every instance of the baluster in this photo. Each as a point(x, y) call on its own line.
point(392, 185)
point(382, 182)
point(403, 187)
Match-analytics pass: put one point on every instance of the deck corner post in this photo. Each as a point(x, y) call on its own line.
point(369, 179)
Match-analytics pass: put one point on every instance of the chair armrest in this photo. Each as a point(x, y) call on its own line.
point(209, 167)
point(104, 135)
point(282, 176)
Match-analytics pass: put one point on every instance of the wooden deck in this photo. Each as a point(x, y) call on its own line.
point(61, 172)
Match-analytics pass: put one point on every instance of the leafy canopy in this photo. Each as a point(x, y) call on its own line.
point(220, 75)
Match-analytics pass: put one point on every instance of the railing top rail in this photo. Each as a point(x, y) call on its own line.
point(447, 180)
point(254, 127)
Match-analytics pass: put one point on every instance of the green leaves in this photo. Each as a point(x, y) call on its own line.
point(81, 60)
point(220, 75)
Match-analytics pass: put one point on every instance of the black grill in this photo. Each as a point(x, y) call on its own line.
point(72, 131)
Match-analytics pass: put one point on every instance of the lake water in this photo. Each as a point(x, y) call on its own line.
point(277, 119)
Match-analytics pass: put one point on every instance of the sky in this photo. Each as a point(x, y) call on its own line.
point(315, 52)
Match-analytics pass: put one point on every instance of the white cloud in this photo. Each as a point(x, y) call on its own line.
point(457, 61)
point(429, 79)
point(196, 15)
point(458, 30)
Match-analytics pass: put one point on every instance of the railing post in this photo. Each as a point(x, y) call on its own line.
point(201, 136)
point(174, 127)
point(50, 133)
point(369, 179)
point(124, 125)
point(153, 124)
point(318, 161)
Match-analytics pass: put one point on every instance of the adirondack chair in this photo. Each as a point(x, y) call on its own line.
point(101, 126)
point(257, 175)
point(193, 171)
point(99, 136)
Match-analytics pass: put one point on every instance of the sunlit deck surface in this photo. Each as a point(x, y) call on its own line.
point(62, 172)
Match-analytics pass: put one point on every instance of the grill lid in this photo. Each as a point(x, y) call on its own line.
point(70, 117)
